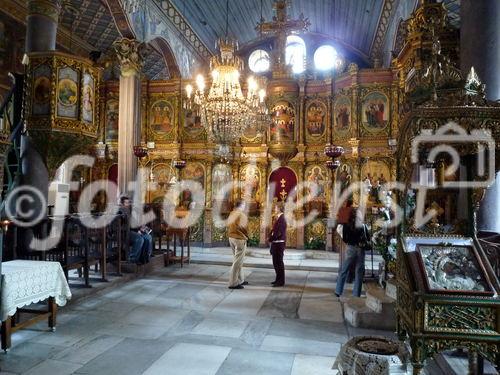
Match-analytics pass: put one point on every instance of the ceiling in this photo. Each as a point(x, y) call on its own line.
point(353, 22)
point(90, 20)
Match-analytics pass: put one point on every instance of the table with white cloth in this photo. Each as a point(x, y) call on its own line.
point(26, 282)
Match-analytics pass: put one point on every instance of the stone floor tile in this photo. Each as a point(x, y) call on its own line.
point(313, 365)
point(300, 346)
point(87, 350)
point(309, 329)
point(9, 362)
point(51, 367)
point(321, 308)
point(189, 359)
point(252, 362)
point(129, 357)
point(246, 301)
point(218, 327)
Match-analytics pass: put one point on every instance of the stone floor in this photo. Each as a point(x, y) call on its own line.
point(186, 321)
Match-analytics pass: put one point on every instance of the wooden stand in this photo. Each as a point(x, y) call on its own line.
point(181, 234)
point(10, 325)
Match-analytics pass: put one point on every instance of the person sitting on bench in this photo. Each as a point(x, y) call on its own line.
point(140, 239)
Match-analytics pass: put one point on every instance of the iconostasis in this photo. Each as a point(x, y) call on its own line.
point(357, 111)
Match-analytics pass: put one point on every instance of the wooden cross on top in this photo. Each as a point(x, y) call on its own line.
point(281, 27)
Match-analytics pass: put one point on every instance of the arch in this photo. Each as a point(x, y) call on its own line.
point(285, 180)
point(122, 22)
point(162, 46)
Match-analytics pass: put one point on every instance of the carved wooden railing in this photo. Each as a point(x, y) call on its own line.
point(490, 241)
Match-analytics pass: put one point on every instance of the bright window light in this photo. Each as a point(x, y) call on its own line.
point(295, 53)
point(327, 58)
point(259, 61)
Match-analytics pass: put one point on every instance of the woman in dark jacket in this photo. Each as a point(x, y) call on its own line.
point(278, 241)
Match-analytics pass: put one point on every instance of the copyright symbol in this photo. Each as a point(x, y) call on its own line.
point(20, 206)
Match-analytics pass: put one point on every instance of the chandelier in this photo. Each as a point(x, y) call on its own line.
point(224, 111)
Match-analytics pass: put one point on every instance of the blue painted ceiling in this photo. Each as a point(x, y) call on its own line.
point(354, 22)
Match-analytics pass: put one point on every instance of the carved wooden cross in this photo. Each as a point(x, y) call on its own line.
point(283, 195)
point(281, 27)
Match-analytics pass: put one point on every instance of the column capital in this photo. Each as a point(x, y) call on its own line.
point(130, 53)
point(47, 8)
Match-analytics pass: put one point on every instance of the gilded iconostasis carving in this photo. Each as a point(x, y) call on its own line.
point(356, 112)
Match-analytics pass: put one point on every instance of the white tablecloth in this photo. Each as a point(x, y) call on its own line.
point(27, 281)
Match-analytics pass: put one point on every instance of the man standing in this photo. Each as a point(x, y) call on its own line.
point(238, 236)
point(278, 240)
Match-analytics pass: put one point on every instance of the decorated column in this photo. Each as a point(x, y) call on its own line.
point(479, 46)
point(41, 25)
point(129, 53)
point(41, 32)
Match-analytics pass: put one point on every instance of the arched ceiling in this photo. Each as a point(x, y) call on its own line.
point(353, 22)
point(361, 24)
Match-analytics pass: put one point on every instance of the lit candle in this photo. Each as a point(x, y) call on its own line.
point(189, 91)
point(200, 82)
point(262, 95)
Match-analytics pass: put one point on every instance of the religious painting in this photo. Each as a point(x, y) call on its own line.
point(342, 113)
point(161, 117)
point(316, 119)
point(343, 176)
point(88, 102)
point(164, 176)
point(41, 90)
point(194, 171)
point(192, 123)
point(111, 116)
point(375, 111)
point(250, 176)
point(317, 175)
point(283, 122)
point(374, 174)
point(453, 269)
point(252, 134)
point(67, 93)
point(221, 177)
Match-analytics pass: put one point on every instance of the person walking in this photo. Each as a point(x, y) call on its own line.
point(278, 241)
point(238, 236)
point(356, 237)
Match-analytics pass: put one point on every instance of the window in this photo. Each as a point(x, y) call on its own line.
point(327, 58)
point(259, 61)
point(295, 53)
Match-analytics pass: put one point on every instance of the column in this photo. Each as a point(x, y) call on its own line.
point(41, 25)
point(129, 53)
point(480, 48)
point(41, 31)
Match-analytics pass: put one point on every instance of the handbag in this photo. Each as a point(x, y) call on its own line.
point(365, 243)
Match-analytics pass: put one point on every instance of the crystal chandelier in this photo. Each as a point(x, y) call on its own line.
point(224, 111)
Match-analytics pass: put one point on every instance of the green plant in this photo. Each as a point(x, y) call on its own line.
point(315, 244)
point(253, 241)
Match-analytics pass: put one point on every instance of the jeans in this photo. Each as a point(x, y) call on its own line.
point(239, 248)
point(141, 243)
point(356, 256)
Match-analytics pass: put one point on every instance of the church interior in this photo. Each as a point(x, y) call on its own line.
point(151, 148)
